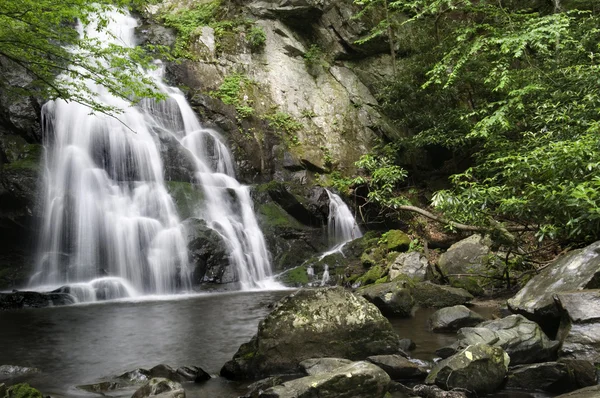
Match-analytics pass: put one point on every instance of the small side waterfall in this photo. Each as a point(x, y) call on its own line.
point(110, 228)
point(341, 224)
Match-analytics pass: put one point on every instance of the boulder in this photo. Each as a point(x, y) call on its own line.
point(480, 368)
point(407, 345)
point(256, 388)
point(588, 392)
point(422, 390)
point(521, 338)
point(430, 295)
point(326, 322)
point(208, 253)
point(579, 330)
point(398, 367)
point(181, 374)
point(18, 300)
point(411, 265)
point(160, 387)
point(450, 319)
point(556, 377)
point(316, 366)
point(357, 380)
point(393, 298)
point(12, 370)
point(577, 270)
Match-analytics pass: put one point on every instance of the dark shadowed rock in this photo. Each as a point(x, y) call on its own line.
point(556, 377)
point(480, 368)
point(17, 300)
point(330, 322)
point(453, 318)
point(357, 380)
point(398, 367)
point(588, 392)
point(579, 330)
point(430, 295)
point(315, 366)
point(579, 269)
point(392, 298)
point(425, 391)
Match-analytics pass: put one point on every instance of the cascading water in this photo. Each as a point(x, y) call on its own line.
point(341, 224)
point(109, 224)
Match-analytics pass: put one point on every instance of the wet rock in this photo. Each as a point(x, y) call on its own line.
point(407, 345)
point(425, 391)
point(430, 295)
point(411, 265)
point(521, 338)
point(398, 367)
point(453, 318)
point(579, 330)
point(357, 380)
point(579, 269)
point(588, 392)
point(327, 322)
point(292, 206)
point(208, 254)
point(256, 388)
point(103, 386)
point(17, 300)
point(315, 366)
point(480, 368)
point(181, 374)
point(136, 376)
point(12, 370)
point(556, 377)
point(160, 387)
point(392, 298)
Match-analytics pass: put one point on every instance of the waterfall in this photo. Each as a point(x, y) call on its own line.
point(341, 224)
point(325, 278)
point(109, 224)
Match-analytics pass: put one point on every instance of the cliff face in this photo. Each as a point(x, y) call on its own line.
point(284, 81)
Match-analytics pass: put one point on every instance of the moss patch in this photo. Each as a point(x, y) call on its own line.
point(396, 240)
point(187, 197)
point(28, 158)
point(372, 275)
point(22, 390)
point(295, 277)
point(275, 216)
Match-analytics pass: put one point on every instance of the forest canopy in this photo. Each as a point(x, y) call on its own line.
point(511, 90)
point(42, 38)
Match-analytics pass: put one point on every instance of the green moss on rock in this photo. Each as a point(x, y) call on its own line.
point(372, 275)
point(22, 390)
point(273, 215)
point(295, 277)
point(470, 284)
point(187, 197)
point(396, 240)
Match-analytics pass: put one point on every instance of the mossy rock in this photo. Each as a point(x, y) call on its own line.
point(358, 246)
point(372, 275)
point(295, 277)
point(373, 256)
point(470, 284)
point(396, 240)
point(22, 390)
point(28, 158)
point(431, 295)
point(273, 215)
point(187, 197)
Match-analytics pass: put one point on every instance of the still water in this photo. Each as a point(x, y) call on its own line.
point(83, 344)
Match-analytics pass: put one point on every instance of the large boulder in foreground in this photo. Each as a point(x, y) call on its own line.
point(357, 380)
point(521, 338)
point(579, 330)
point(480, 368)
point(328, 322)
point(577, 270)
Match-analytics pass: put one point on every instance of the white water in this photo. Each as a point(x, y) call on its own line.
point(325, 278)
point(108, 219)
point(341, 225)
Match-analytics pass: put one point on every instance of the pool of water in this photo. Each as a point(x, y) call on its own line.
point(83, 344)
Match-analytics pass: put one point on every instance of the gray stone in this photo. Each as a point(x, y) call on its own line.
point(556, 377)
point(357, 380)
point(522, 339)
point(13, 370)
point(160, 387)
point(578, 269)
point(588, 392)
point(480, 368)
point(453, 318)
point(326, 322)
point(579, 330)
point(425, 391)
point(466, 257)
point(315, 366)
point(392, 298)
point(398, 367)
point(256, 388)
point(412, 265)
point(430, 295)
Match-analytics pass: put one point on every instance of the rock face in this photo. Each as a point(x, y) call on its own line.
point(430, 295)
point(579, 269)
point(160, 387)
point(556, 377)
point(412, 265)
point(315, 366)
point(357, 380)
point(16, 300)
point(392, 298)
point(313, 324)
point(480, 368)
point(398, 367)
point(453, 318)
point(522, 339)
point(579, 330)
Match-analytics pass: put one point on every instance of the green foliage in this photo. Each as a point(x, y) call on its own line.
point(314, 56)
point(40, 38)
point(285, 124)
point(186, 21)
point(232, 92)
point(256, 37)
point(22, 390)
